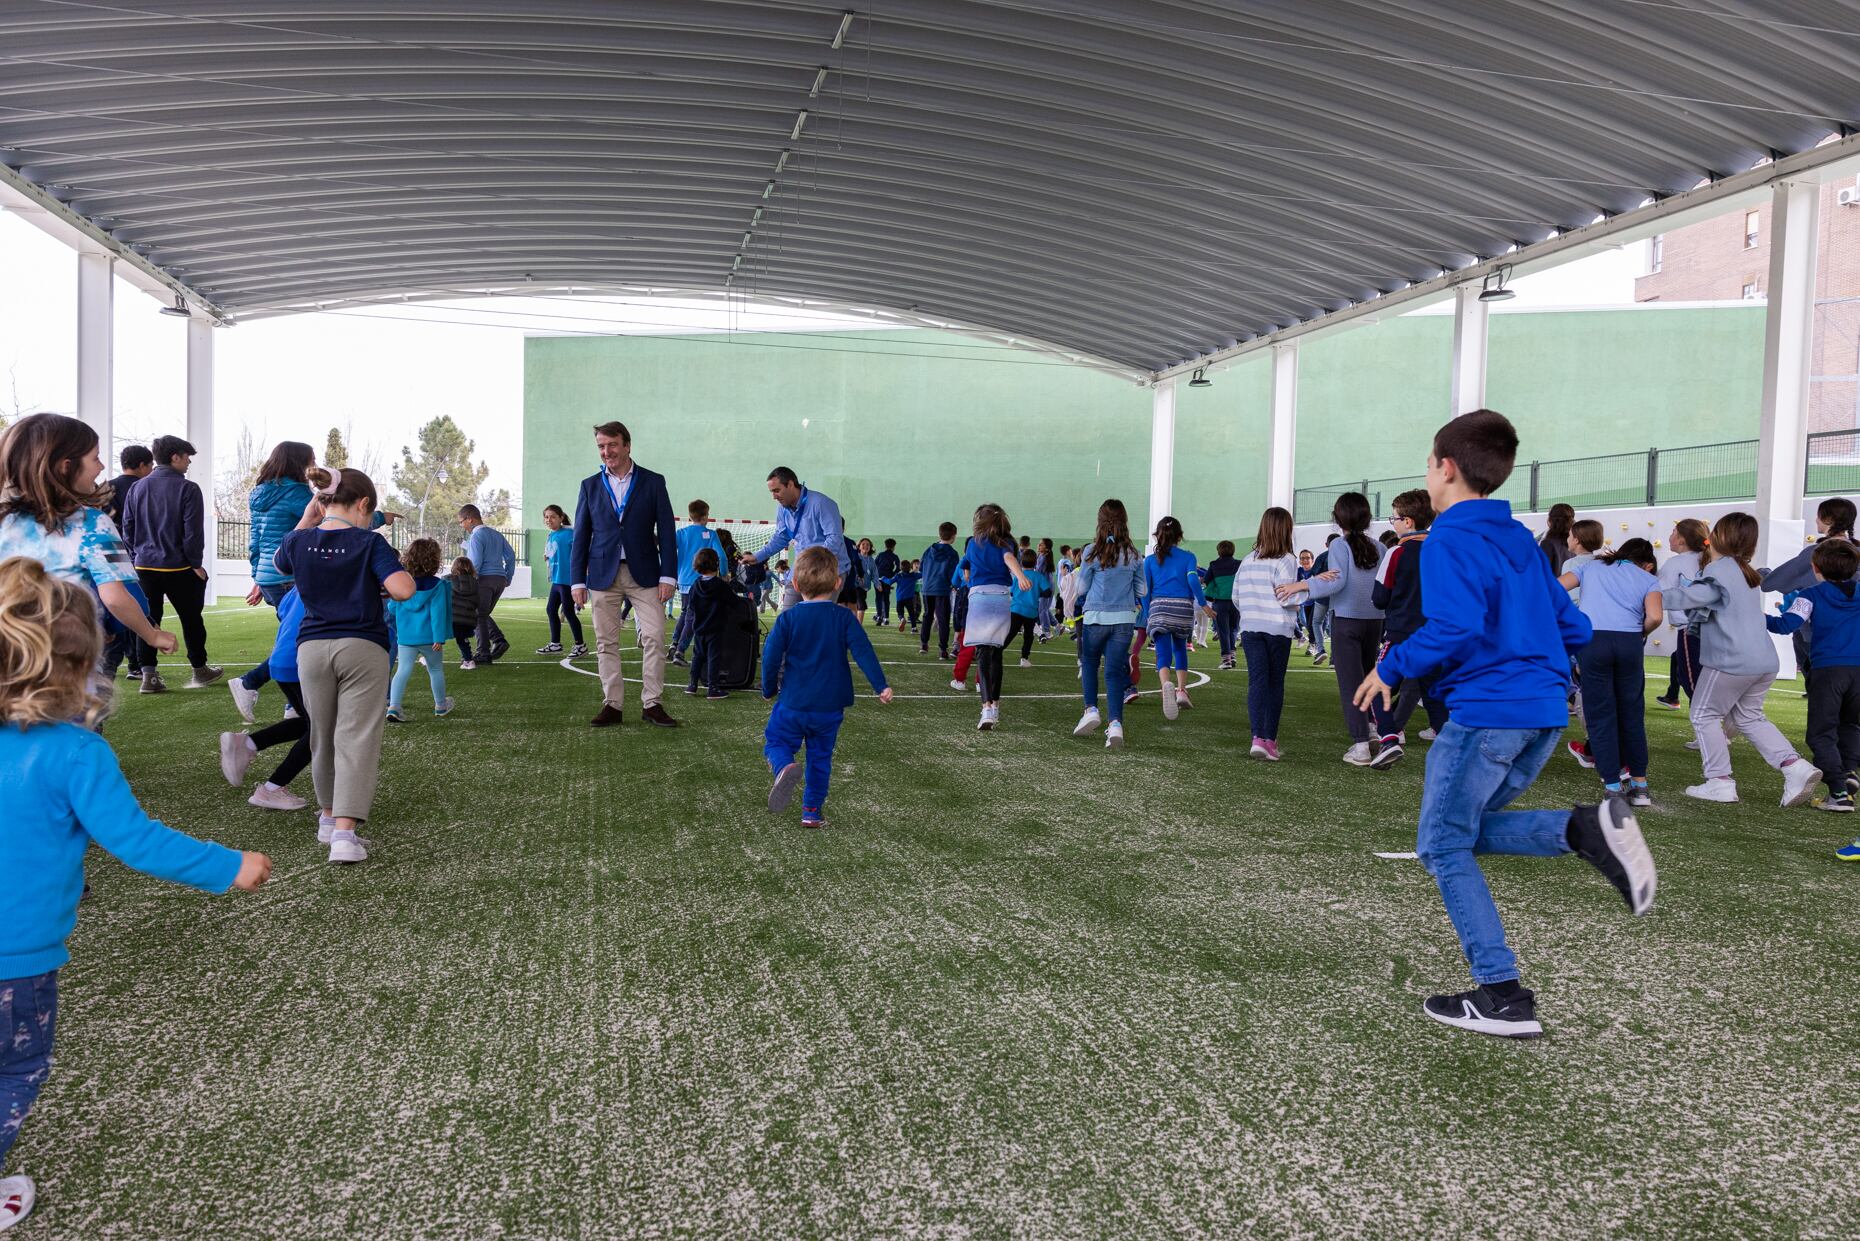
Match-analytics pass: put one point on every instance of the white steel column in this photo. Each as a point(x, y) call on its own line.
point(200, 433)
point(96, 337)
point(1469, 349)
point(1788, 333)
point(1162, 452)
point(1282, 441)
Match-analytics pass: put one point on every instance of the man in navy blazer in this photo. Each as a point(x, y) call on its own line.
point(625, 552)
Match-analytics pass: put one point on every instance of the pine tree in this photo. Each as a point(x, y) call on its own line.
point(335, 452)
point(432, 484)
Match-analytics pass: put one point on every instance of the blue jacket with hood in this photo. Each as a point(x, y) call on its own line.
point(1499, 628)
point(276, 507)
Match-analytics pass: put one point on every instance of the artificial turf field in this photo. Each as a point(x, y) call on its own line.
point(586, 986)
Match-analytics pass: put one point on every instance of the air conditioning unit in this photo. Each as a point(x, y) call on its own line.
point(1848, 195)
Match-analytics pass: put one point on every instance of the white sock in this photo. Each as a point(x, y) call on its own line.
point(342, 833)
point(269, 787)
point(251, 744)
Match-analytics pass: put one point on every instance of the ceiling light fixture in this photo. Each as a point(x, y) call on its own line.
point(1201, 379)
point(179, 310)
point(1493, 289)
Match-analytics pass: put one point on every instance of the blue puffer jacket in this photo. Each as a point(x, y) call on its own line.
point(277, 506)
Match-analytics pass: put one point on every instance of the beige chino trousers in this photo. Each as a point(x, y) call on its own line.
point(648, 623)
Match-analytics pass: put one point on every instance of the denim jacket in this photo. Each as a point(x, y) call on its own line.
point(1108, 595)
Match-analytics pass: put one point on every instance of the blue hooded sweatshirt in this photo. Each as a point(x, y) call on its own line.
point(1499, 628)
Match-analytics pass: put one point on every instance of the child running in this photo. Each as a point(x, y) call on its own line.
point(1266, 623)
point(1348, 586)
point(1621, 598)
point(464, 581)
point(558, 552)
point(1109, 590)
point(1688, 539)
point(1026, 604)
point(237, 750)
point(1398, 593)
point(342, 567)
point(904, 585)
point(1218, 579)
point(1833, 609)
point(991, 561)
point(805, 655)
point(1501, 631)
point(63, 790)
point(1174, 588)
point(419, 625)
point(1737, 663)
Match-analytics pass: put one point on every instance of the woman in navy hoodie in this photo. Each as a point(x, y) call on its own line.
point(277, 504)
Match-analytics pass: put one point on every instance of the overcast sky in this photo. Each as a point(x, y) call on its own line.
point(384, 372)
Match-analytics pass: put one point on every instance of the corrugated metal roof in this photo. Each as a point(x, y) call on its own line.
point(1143, 183)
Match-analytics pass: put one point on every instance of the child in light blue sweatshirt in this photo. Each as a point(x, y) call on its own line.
point(420, 626)
point(63, 790)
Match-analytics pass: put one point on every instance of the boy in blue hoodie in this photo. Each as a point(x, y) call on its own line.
point(804, 661)
point(1499, 631)
point(1830, 609)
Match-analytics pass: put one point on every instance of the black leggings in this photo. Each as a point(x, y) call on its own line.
point(988, 672)
point(295, 730)
point(1022, 625)
point(1354, 645)
point(562, 604)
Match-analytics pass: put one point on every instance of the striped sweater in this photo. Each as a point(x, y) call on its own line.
point(1261, 611)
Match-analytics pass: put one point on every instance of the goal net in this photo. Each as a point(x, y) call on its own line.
point(749, 535)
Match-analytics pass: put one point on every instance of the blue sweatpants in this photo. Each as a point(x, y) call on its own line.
point(788, 730)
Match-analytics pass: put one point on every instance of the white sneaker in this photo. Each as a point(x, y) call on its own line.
point(1719, 788)
point(1428, 734)
point(1114, 736)
point(1171, 708)
point(987, 721)
point(236, 754)
point(267, 797)
point(244, 699)
point(17, 1194)
point(1693, 744)
point(958, 685)
point(347, 847)
point(290, 712)
point(1088, 723)
point(1799, 780)
point(1359, 755)
point(1026, 663)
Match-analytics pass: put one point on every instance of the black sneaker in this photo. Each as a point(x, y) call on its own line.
point(692, 690)
point(1608, 838)
point(679, 661)
point(1484, 1012)
point(1388, 755)
point(549, 648)
point(581, 648)
point(499, 649)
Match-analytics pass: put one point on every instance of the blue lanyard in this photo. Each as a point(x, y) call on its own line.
point(619, 505)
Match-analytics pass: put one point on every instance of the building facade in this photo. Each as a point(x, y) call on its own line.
point(1728, 259)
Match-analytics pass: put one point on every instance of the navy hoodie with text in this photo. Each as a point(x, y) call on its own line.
point(1499, 628)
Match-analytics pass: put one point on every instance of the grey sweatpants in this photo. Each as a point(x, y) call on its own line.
point(1718, 699)
point(345, 685)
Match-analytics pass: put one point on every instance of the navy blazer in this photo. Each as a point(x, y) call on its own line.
point(649, 533)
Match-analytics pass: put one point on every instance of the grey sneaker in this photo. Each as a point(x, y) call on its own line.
point(205, 676)
point(152, 682)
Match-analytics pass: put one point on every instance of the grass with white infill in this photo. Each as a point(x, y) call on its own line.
point(1021, 987)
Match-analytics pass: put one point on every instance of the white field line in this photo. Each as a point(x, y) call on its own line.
point(1201, 679)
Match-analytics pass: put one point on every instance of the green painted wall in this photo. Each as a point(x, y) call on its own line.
point(903, 442)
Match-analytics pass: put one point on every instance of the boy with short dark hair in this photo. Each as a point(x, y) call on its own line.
point(1398, 593)
point(804, 660)
point(707, 601)
point(1831, 611)
point(938, 563)
point(1499, 629)
point(693, 538)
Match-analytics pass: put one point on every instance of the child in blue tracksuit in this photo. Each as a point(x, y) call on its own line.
point(904, 585)
point(420, 627)
point(805, 659)
point(1024, 604)
point(63, 790)
point(1499, 629)
point(1831, 611)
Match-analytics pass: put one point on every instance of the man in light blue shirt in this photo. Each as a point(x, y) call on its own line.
point(691, 540)
point(494, 560)
point(806, 519)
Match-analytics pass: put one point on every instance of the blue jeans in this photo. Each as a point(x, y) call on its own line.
point(682, 632)
point(28, 1012)
point(1227, 625)
point(1266, 657)
point(272, 593)
point(1472, 774)
point(1109, 645)
point(788, 730)
point(1614, 703)
point(408, 658)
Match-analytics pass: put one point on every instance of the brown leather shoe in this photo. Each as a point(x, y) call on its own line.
point(655, 714)
point(609, 716)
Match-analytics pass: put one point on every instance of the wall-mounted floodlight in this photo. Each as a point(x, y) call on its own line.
point(179, 310)
point(1494, 290)
point(1201, 379)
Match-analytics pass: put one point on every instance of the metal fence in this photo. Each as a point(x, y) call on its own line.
point(1833, 466)
point(1699, 473)
point(235, 537)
